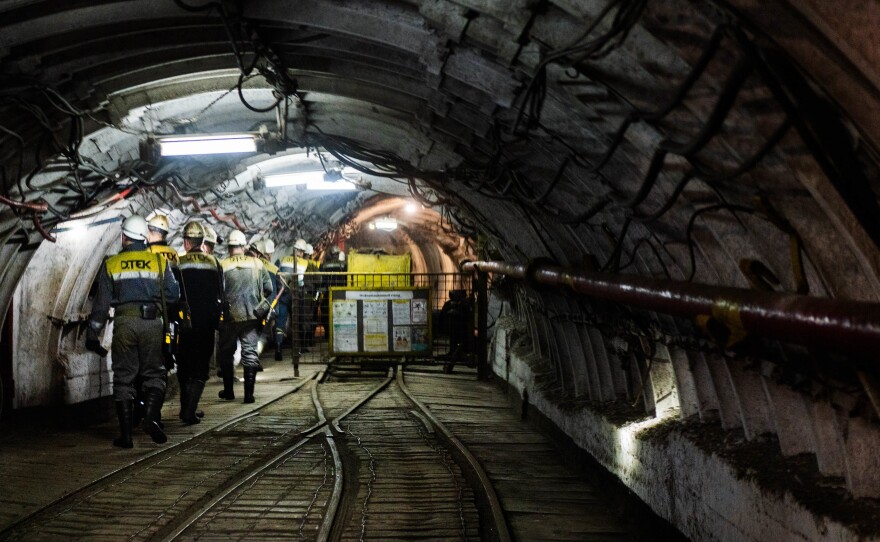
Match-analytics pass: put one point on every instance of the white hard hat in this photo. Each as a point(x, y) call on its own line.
point(210, 235)
point(135, 227)
point(300, 244)
point(269, 246)
point(160, 222)
point(309, 249)
point(237, 239)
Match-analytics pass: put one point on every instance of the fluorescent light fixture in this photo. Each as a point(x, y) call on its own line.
point(326, 185)
point(207, 144)
point(312, 180)
point(385, 224)
point(291, 179)
point(79, 227)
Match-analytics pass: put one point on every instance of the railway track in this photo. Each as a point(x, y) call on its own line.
point(349, 460)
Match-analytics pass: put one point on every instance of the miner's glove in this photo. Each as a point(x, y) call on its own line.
point(93, 343)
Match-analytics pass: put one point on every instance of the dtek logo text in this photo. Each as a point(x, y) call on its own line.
point(136, 264)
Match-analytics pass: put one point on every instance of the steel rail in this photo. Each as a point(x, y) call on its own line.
point(304, 437)
point(336, 496)
point(852, 327)
point(495, 508)
point(164, 450)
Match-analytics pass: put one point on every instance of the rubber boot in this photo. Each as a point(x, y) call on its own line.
point(193, 394)
point(124, 413)
point(279, 338)
point(137, 410)
point(250, 379)
point(227, 392)
point(153, 398)
point(183, 382)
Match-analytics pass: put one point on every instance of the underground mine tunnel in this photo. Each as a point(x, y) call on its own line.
point(561, 269)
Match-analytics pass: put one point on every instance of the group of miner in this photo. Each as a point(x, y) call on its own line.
point(168, 308)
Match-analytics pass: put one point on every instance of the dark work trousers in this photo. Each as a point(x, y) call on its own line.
point(282, 313)
point(194, 353)
point(137, 353)
point(248, 333)
point(306, 318)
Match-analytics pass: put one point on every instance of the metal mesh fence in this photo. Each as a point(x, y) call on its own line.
point(303, 325)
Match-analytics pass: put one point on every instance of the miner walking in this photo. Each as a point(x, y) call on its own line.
point(137, 283)
point(247, 284)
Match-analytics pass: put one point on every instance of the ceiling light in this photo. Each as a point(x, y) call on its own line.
point(327, 185)
point(79, 227)
point(385, 224)
point(311, 180)
point(207, 144)
point(411, 208)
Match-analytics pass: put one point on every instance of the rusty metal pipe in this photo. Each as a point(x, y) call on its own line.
point(38, 206)
point(841, 325)
point(229, 219)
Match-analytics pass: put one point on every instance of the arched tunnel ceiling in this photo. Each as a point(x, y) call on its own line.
point(554, 128)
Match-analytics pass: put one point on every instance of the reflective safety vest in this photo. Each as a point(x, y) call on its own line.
point(176, 311)
point(137, 276)
point(302, 266)
point(286, 269)
point(169, 253)
point(132, 276)
point(270, 267)
point(137, 269)
point(287, 265)
point(199, 260)
point(241, 261)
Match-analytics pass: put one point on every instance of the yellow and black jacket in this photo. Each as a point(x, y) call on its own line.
point(133, 276)
point(175, 310)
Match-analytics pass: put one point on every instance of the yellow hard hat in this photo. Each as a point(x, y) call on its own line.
point(194, 230)
point(160, 222)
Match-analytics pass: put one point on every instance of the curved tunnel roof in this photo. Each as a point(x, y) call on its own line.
point(558, 129)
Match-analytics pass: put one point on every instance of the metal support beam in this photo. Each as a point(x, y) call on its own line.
point(839, 325)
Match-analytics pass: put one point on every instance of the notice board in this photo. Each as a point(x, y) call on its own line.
point(380, 321)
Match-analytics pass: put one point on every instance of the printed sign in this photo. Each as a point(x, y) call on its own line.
point(419, 311)
point(400, 311)
point(380, 321)
point(402, 341)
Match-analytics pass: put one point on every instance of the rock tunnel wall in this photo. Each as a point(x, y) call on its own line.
point(721, 445)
